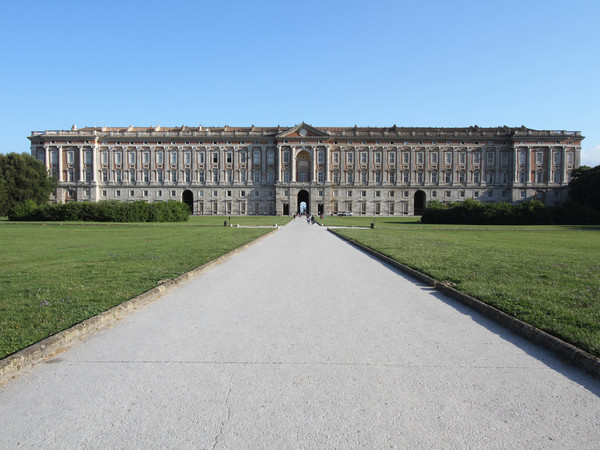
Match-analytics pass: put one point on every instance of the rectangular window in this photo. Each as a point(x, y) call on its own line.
point(159, 158)
point(54, 157)
point(569, 158)
point(256, 156)
point(448, 158)
point(257, 177)
point(420, 158)
point(522, 157)
point(70, 157)
point(335, 157)
point(146, 157)
point(173, 193)
point(132, 193)
point(187, 157)
point(159, 175)
point(434, 158)
point(320, 156)
point(363, 157)
point(462, 158)
point(88, 157)
point(104, 193)
point(504, 157)
point(377, 158)
point(349, 157)
point(159, 193)
point(539, 158)
point(270, 158)
point(286, 157)
point(405, 157)
point(131, 158)
point(391, 157)
point(476, 158)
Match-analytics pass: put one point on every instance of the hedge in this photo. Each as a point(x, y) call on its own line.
point(102, 211)
point(532, 212)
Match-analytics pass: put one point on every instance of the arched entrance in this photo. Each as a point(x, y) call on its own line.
point(420, 203)
point(303, 202)
point(188, 198)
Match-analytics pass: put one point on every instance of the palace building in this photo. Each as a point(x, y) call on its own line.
point(326, 170)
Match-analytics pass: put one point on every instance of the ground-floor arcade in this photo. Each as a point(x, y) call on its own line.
point(307, 198)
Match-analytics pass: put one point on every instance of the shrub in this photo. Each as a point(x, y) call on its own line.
point(103, 211)
point(532, 212)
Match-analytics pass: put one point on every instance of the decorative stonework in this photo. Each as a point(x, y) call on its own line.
point(257, 170)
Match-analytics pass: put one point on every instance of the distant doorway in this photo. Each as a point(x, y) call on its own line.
point(303, 202)
point(286, 209)
point(188, 198)
point(420, 203)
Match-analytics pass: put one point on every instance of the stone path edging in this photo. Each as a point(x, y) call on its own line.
point(53, 345)
point(569, 352)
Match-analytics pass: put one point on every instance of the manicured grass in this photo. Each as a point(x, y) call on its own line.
point(365, 221)
point(239, 220)
point(55, 275)
point(546, 276)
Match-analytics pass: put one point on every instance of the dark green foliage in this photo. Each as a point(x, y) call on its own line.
point(584, 187)
point(531, 212)
point(103, 211)
point(22, 178)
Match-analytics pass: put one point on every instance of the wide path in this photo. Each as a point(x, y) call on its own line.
point(302, 341)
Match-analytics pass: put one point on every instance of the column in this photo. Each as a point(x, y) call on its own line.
point(515, 165)
point(563, 166)
point(313, 160)
point(549, 175)
point(497, 162)
point(278, 162)
point(327, 151)
point(263, 175)
point(81, 161)
point(528, 168)
point(94, 150)
point(454, 165)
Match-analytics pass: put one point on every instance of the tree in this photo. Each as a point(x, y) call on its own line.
point(585, 186)
point(22, 177)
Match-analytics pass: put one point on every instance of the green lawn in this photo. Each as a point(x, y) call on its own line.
point(548, 276)
point(239, 220)
point(54, 275)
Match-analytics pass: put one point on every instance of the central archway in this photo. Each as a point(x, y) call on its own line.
point(420, 203)
point(188, 198)
point(303, 202)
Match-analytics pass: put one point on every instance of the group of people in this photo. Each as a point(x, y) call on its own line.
point(310, 219)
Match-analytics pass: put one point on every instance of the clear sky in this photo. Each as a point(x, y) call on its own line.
point(328, 63)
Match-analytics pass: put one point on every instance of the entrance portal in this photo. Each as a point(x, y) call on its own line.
point(286, 209)
point(420, 203)
point(188, 198)
point(303, 202)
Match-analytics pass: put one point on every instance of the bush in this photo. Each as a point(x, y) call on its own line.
point(532, 212)
point(103, 211)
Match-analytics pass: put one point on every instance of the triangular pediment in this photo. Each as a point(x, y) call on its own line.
point(303, 131)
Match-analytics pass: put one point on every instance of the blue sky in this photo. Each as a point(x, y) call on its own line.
point(328, 63)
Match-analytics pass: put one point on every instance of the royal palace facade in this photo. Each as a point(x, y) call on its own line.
point(330, 170)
